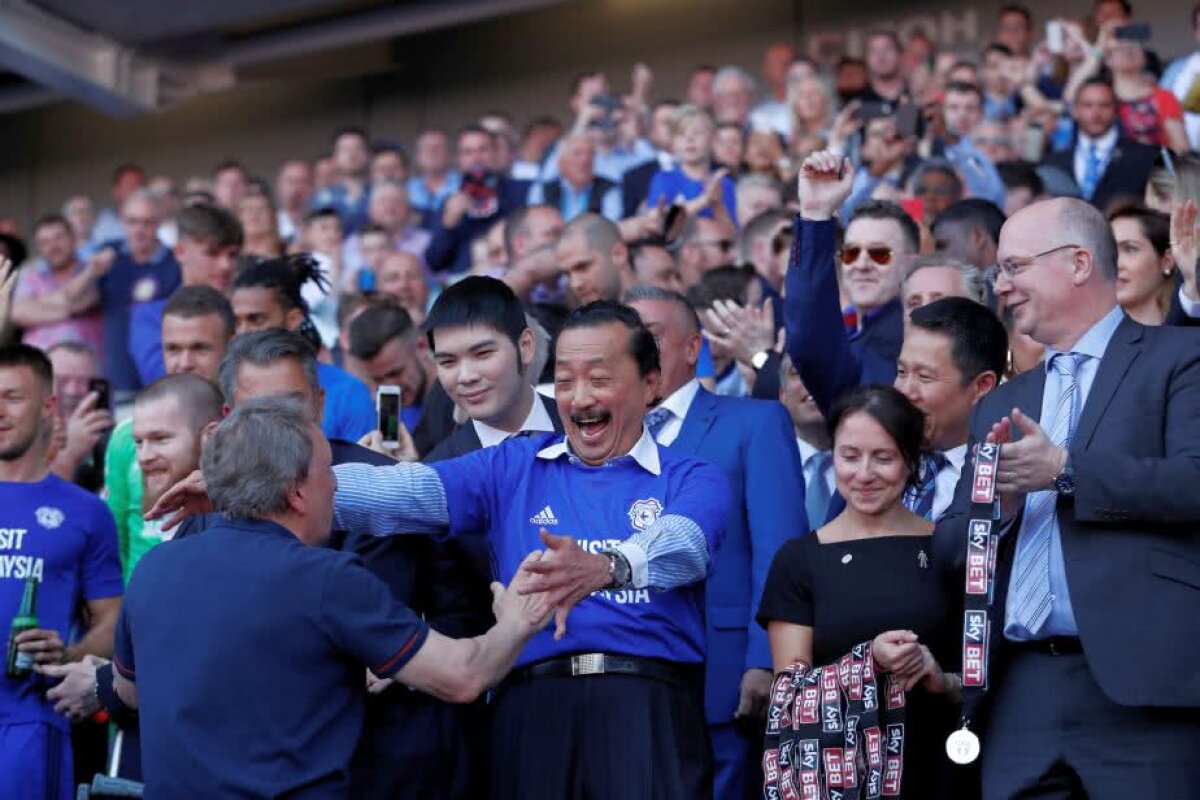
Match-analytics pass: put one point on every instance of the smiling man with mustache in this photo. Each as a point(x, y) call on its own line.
point(613, 706)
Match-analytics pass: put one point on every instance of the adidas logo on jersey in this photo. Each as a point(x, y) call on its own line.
point(544, 517)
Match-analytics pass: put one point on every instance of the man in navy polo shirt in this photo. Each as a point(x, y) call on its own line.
point(243, 647)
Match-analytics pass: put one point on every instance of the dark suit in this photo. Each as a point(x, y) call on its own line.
point(635, 185)
point(827, 361)
point(1124, 176)
point(552, 193)
point(754, 444)
point(450, 249)
point(1131, 549)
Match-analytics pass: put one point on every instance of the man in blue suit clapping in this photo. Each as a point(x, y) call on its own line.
point(753, 443)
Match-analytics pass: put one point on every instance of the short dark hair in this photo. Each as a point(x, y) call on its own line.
point(127, 167)
point(24, 355)
point(1016, 8)
point(351, 130)
point(200, 398)
point(1021, 175)
point(324, 212)
point(1125, 5)
point(375, 327)
point(886, 33)
point(476, 300)
point(1155, 225)
point(474, 128)
point(722, 283)
point(47, 220)
point(373, 230)
point(226, 164)
point(962, 87)
point(208, 222)
point(976, 212)
point(978, 341)
point(263, 348)
point(996, 47)
point(1097, 81)
point(883, 209)
point(515, 223)
point(642, 346)
point(894, 412)
point(189, 302)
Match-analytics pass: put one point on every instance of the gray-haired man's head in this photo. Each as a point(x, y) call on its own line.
point(269, 461)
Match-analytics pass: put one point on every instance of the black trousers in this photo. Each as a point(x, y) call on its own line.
point(600, 737)
point(1053, 734)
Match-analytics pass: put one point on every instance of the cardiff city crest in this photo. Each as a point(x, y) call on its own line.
point(644, 513)
point(49, 517)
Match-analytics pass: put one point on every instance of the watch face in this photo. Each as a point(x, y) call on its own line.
point(1065, 483)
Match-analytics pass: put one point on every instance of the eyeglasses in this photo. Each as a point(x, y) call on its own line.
point(1013, 267)
point(880, 255)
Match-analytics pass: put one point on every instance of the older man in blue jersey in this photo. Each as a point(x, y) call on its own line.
point(612, 706)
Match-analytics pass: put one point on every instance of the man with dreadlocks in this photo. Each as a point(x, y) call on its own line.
point(266, 294)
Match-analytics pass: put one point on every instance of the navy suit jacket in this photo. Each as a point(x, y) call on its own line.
point(1125, 176)
point(754, 444)
point(1131, 533)
point(450, 249)
point(824, 357)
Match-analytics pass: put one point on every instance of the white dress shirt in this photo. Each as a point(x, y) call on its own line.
point(947, 479)
point(1104, 147)
point(678, 404)
point(537, 421)
point(807, 452)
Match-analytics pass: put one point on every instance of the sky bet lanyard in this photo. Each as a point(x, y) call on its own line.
point(983, 537)
point(827, 736)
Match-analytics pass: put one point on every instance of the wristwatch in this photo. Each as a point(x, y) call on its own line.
point(759, 359)
point(619, 571)
point(1064, 482)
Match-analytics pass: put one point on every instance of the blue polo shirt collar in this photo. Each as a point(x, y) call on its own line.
point(644, 454)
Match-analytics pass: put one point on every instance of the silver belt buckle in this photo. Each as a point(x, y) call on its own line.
point(587, 664)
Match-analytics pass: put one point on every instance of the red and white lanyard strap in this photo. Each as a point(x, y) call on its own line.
point(983, 538)
point(831, 735)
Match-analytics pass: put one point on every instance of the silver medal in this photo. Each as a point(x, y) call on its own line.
point(962, 746)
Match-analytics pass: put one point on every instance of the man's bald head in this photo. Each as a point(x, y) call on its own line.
point(1057, 268)
point(599, 232)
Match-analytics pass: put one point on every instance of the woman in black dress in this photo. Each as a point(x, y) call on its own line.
point(869, 576)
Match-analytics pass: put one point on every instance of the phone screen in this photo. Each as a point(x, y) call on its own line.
point(389, 415)
point(101, 387)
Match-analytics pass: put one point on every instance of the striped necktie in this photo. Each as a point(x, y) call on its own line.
point(816, 490)
point(919, 497)
point(656, 419)
point(1030, 600)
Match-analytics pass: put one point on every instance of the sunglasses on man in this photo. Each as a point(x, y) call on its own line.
point(880, 255)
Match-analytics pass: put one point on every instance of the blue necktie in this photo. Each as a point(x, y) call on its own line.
point(656, 419)
point(1091, 172)
point(816, 490)
point(1029, 601)
point(919, 497)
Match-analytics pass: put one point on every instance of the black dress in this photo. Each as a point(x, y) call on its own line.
point(850, 592)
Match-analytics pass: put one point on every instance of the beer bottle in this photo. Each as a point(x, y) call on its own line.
point(19, 665)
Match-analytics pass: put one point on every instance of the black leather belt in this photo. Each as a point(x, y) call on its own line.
point(1055, 646)
point(585, 664)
